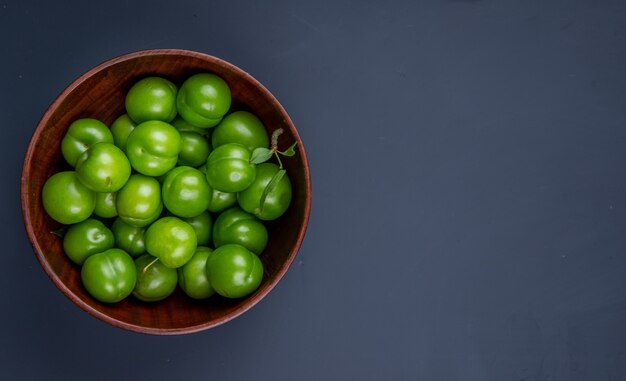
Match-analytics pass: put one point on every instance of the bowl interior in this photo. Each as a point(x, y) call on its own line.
point(99, 94)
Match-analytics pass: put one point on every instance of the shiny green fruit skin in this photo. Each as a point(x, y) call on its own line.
point(192, 277)
point(139, 202)
point(237, 226)
point(203, 99)
point(202, 225)
point(120, 129)
point(109, 276)
point(155, 281)
point(240, 127)
point(195, 149)
point(86, 238)
point(276, 202)
point(153, 147)
point(105, 205)
point(220, 201)
point(234, 271)
point(186, 192)
point(66, 199)
point(128, 237)
point(183, 126)
point(228, 168)
point(152, 98)
point(172, 240)
point(103, 168)
point(82, 134)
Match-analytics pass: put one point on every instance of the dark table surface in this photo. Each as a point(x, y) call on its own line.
point(468, 161)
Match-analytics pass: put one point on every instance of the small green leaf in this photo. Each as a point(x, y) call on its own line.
point(271, 186)
point(260, 155)
point(290, 151)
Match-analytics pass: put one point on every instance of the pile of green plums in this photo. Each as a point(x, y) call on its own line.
point(168, 194)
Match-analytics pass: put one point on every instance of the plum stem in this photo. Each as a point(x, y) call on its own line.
point(275, 136)
point(146, 267)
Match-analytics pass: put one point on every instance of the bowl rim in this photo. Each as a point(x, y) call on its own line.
point(24, 187)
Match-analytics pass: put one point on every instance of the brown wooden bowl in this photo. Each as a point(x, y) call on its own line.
point(99, 93)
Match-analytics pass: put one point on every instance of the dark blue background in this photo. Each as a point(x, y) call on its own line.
point(469, 179)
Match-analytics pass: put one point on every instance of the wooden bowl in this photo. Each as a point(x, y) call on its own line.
point(99, 93)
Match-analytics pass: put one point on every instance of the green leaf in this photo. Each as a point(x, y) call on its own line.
point(290, 151)
point(260, 155)
point(271, 186)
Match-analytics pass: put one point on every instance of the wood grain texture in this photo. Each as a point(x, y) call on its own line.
point(99, 93)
